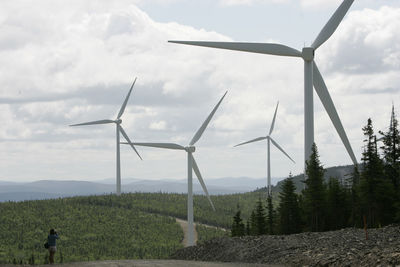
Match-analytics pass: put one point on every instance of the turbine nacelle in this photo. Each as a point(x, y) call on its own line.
point(119, 131)
point(192, 166)
point(190, 149)
point(308, 53)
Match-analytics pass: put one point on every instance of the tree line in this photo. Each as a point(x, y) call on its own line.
point(369, 197)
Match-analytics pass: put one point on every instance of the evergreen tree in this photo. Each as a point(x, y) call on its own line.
point(248, 232)
point(355, 215)
point(314, 193)
point(260, 219)
point(238, 228)
point(376, 192)
point(391, 155)
point(270, 216)
point(289, 210)
point(391, 151)
point(252, 223)
point(337, 205)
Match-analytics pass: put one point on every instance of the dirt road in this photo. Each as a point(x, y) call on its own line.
point(184, 225)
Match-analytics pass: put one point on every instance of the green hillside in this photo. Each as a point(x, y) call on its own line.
point(130, 226)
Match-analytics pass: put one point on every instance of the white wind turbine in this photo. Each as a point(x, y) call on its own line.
point(269, 140)
point(312, 76)
point(192, 165)
point(119, 129)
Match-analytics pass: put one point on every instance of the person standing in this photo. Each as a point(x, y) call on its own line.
point(51, 239)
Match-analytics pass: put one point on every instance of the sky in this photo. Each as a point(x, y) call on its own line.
point(67, 62)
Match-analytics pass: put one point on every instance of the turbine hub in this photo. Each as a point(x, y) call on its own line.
point(308, 53)
point(190, 149)
point(119, 121)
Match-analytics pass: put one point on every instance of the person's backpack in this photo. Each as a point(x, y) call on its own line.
point(46, 245)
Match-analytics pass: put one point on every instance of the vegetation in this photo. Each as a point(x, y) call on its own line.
point(94, 227)
point(288, 210)
point(238, 228)
point(373, 193)
point(87, 232)
point(205, 232)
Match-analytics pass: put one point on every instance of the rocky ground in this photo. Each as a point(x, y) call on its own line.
point(347, 247)
point(151, 263)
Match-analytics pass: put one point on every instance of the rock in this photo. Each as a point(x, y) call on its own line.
point(346, 247)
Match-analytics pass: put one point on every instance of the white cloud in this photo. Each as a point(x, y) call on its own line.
point(318, 4)
point(65, 63)
point(250, 2)
point(158, 125)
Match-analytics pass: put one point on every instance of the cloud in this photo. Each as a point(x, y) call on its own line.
point(69, 63)
point(367, 42)
point(250, 2)
point(318, 4)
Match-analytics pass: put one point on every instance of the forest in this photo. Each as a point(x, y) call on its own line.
point(368, 198)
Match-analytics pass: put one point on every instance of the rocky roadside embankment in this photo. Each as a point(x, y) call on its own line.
point(347, 247)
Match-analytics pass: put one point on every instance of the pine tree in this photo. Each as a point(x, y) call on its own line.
point(391, 155)
point(238, 228)
point(248, 231)
point(376, 192)
point(270, 216)
point(288, 210)
point(260, 219)
point(355, 215)
point(391, 151)
point(314, 193)
point(252, 223)
point(337, 206)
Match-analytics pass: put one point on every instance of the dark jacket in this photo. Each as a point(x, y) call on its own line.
point(51, 239)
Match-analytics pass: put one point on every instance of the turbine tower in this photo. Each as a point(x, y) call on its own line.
point(312, 76)
point(269, 140)
point(191, 165)
point(119, 129)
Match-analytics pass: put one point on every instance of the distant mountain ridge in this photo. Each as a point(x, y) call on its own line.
point(44, 189)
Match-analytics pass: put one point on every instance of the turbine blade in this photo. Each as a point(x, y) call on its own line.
point(129, 141)
point(273, 121)
point(160, 145)
point(326, 100)
point(332, 24)
point(121, 111)
point(94, 122)
point(281, 149)
point(251, 141)
point(200, 131)
point(260, 48)
point(198, 174)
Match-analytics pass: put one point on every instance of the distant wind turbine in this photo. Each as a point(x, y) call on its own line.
point(191, 165)
point(269, 139)
point(117, 122)
point(312, 76)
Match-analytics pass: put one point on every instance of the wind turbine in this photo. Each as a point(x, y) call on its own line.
point(117, 122)
point(269, 140)
point(191, 165)
point(312, 76)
